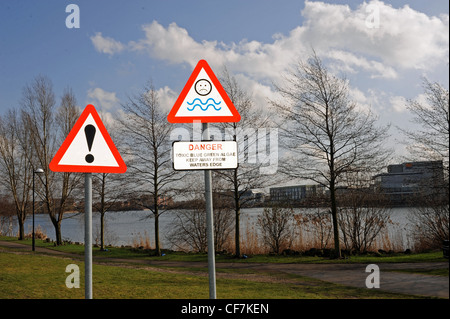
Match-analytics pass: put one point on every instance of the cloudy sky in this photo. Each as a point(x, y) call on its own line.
point(384, 49)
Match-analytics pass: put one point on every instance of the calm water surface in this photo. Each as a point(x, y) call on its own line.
point(129, 227)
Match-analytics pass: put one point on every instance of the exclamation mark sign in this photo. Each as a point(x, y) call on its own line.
point(89, 131)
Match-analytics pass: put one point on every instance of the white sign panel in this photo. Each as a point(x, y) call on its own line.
point(204, 155)
point(88, 148)
point(76, 152)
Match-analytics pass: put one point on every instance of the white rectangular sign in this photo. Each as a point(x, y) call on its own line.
point(204, 155)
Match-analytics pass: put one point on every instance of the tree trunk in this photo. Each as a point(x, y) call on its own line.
point(58, 233)
point(157, 246)
point(337, 249)
point(21, 229)
point(156, 213)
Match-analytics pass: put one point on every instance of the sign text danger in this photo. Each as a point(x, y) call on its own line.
point(204, 155)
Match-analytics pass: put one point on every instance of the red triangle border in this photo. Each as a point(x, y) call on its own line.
point(202, 64)
point(54, 166)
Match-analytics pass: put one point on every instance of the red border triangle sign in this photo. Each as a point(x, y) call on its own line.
point(203, 99)
point(88, 148)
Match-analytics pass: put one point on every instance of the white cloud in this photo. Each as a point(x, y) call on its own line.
point(105, 100)
point(405, 39)
point(350, 63)
point(106, 45)
point(398, 103)
point(109, 121)
point(167, 98)
point(363, 103)
point(260, 93)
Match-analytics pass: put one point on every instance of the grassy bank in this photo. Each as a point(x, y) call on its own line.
point(35, 275)
point(28, 275)
point(118, 252)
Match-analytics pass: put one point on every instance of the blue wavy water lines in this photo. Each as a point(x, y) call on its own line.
point(204, 106)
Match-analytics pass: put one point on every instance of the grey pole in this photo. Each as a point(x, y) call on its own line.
point(88, 235)
point(210, 224)
point(33, 244)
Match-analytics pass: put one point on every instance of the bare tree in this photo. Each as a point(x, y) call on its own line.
point(15, 169)
point(7, 220)
point(432, 140)
point(188, 229)
point(430, 211)
point(248, 133)
point(363, 214)
point(431, 222)
point(316, 226)
point(326, 132)
point(108, 190)
point(277, 227)
point(146, 134)
point(49, 126)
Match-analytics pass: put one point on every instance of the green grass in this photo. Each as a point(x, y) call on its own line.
point(35, 276)
point(28, 275)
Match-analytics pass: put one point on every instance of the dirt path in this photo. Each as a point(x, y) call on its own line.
point(346, 274)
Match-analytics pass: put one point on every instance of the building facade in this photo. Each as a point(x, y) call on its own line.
point(295, 193)
point(406, 180)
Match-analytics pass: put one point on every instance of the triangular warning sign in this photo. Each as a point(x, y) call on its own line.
point(203, 99)
point(88, 148)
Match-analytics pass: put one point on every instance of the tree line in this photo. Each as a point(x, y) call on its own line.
point(324, 137)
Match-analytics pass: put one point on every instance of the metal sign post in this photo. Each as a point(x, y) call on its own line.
point(210, 224)
point(88, 235)
point(88, 149)
point(203, 99)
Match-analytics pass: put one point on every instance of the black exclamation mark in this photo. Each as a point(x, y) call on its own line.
point(89, 131)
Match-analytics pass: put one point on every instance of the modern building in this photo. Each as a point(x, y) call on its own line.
point(402, 181)
point(295, 193)
point(253, 197)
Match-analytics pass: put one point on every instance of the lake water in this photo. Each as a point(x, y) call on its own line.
point(131, 227)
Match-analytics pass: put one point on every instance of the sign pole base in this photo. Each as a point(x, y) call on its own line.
point(88, 235)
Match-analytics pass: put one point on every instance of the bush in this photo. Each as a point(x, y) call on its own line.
point(277, 228)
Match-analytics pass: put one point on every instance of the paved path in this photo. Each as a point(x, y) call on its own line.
point(345, 274)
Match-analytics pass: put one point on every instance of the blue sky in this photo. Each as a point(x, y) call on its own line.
point(122, 44)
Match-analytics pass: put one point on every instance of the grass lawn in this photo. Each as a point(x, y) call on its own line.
point(36, 276)
point(28, 275)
